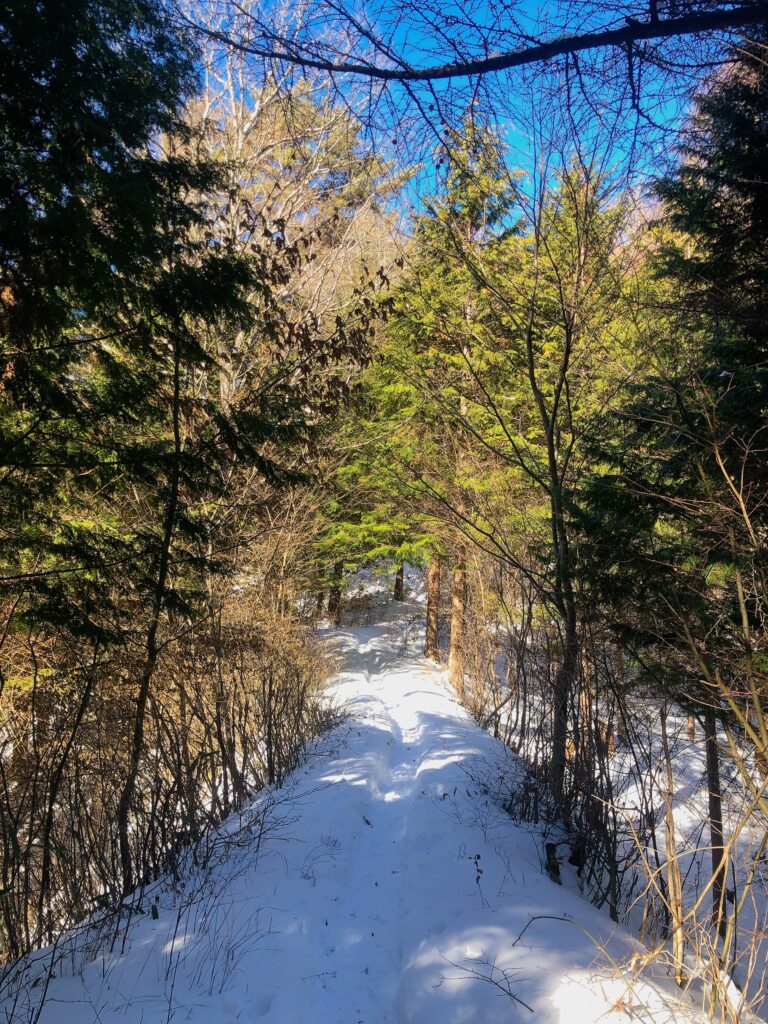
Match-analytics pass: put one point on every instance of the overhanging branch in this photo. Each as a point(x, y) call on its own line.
point(722, 20)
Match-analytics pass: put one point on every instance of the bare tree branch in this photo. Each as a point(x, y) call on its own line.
point(271, 46)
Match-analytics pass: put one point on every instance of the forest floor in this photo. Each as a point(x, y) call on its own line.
point(381, 885)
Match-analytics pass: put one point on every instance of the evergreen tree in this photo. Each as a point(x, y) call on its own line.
point(403, 433)
point(678, 521)
point(125, 258)
point(507, 326)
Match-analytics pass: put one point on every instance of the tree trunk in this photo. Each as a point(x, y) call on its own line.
point(431, 649)
point(270, 729)
point(152, 648)
point(458, 613)
point(399, 593)
point(691, 729)
point(187, 785)
point(674, 882)
point(715, 819)
point(334, 593)
point(137, 747)
point(561, 692)
point(215, 618)
point(587, 725)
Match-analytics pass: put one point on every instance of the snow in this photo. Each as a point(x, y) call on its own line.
point(380, 886)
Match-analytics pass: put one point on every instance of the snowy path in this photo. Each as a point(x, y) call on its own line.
point(363, 905)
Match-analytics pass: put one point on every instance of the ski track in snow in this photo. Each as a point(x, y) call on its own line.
point(363, 907)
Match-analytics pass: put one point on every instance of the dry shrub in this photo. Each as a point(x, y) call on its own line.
point(236, 697)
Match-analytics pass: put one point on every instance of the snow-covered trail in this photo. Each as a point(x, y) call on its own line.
point(365, 904)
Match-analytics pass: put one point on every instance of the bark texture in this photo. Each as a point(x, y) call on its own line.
point(431, 648)
point(456, 667)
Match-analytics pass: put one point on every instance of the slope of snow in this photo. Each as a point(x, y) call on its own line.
point(379, 887)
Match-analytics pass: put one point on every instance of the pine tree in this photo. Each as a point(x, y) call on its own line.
point(678, 521)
